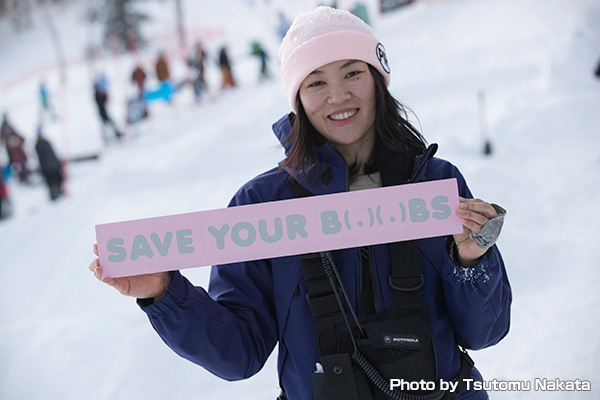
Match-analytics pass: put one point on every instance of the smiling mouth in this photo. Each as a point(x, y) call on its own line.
point(344, 115)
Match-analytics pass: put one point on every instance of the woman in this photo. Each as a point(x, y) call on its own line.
point(346, 133)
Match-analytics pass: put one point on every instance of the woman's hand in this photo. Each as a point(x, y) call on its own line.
point(140, 286)
point(474, 214)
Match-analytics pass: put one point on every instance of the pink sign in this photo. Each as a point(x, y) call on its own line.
point(279, 228)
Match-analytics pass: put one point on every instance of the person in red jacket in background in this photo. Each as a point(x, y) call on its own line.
point(15, 147)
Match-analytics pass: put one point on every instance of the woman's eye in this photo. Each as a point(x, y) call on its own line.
point(353, 73)
point(315, 84)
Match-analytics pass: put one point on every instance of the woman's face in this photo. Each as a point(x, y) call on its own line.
point(339, 100)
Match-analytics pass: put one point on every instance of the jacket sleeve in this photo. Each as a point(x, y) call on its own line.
point(231, 336)
point(230, 330)
point(478, 298)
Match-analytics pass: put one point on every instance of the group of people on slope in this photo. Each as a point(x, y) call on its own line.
point(50, 165)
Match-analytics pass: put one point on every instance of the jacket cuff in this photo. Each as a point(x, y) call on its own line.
point(452, 253)
point(471, 277)
point(175, 295)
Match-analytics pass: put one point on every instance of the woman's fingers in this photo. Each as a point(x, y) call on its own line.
point(473, 226)
point(97, 269)
point(98, 272)
point(95, 263)
point(92, 265)
point(475, 213)
point(478, 206)
point(471, 219)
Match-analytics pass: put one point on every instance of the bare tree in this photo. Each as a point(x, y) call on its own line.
point(121, 20)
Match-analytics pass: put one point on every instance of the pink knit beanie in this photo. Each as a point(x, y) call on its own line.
point(322, 36)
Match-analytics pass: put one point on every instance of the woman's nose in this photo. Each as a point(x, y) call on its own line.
point(338, 94)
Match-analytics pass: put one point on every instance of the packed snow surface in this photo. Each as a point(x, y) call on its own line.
point(64, 335)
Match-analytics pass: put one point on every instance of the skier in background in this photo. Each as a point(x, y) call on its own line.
point(225, 65)
point(50, 165)
point(196, 63)
point(5, 205)
point(5, 129)
point(136, 106)
point(259, 52)
point(101, 98)
point(139, 77)
point(15, 147)
point(45, 103)
point(162, 68)
point(166, 87)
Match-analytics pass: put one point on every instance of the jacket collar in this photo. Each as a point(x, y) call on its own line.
point(333, 167)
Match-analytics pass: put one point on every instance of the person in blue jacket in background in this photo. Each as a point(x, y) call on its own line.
point(346, 132)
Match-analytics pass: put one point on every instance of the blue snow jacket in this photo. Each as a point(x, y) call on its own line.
point(253, 306)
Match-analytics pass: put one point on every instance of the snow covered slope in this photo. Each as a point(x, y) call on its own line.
point(63, 335)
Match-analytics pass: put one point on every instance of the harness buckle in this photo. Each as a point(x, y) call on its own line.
point(417, 286)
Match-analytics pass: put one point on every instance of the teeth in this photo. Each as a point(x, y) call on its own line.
point(342, 116)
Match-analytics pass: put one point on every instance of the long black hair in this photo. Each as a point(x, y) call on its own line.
point(395, 136)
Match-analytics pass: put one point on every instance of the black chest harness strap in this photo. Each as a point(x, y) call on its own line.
point(361, 354)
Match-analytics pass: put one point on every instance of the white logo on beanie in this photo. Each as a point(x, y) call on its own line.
point(381, 56)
